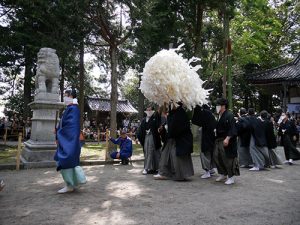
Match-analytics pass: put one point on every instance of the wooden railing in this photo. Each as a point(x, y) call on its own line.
point(101, 135)
point(12, 133)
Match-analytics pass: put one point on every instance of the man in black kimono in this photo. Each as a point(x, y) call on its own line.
point(176, 161)
point(244, 134)
point(205, 119)
point(258, 142)
point(225, 153)
point(289, 133)
point(275, 160)
point(150, 140)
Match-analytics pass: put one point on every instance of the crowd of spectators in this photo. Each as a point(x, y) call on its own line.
point(92, 129)
point(14, 124)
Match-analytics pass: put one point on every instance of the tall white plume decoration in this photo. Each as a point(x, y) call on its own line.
point(168, 77)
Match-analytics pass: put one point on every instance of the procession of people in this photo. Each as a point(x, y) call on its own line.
point(228, 143)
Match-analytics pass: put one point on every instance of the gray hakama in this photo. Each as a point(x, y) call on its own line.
point(274, 157)
point(244, 155)
point(225, 165)
point(260, 155)
point(206, 157)
point(173, 166)
point(206, 160)
point(152, 155)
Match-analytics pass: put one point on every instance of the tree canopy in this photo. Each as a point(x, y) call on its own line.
point(124, 34)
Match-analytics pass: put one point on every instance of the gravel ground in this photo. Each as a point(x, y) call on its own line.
point(118, 194)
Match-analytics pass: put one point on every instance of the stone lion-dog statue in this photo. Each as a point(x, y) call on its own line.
point(47, 77)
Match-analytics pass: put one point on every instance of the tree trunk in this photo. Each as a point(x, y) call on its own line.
point(199, 25)
point(81, 83)
point(27, 83)
point(114, 92)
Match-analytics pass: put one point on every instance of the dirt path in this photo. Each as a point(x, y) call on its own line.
point(121, 195)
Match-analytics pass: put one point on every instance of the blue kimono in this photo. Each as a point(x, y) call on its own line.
point(68, 150)
point(125, 147)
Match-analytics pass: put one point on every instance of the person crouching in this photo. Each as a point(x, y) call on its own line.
point(125, 148)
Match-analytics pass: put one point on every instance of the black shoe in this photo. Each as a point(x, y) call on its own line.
point(152, 172)
point(125, 161)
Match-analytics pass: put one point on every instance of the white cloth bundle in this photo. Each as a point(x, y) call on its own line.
point(168, 77)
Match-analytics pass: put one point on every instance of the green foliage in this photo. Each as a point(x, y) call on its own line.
point(31, 25)
point(157, 30)
point(15, 103)
point(264, 34)
point(129, 87)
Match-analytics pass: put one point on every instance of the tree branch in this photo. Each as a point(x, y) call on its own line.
point(96, 45)
point(5, 12)
point(123, 39)
point(105, 28)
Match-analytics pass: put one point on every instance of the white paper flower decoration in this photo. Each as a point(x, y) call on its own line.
point(167, 77)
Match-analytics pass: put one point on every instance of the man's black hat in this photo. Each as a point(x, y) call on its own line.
point(243, 111)
point(222, 101)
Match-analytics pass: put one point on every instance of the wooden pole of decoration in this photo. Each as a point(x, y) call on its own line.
point(19, 152)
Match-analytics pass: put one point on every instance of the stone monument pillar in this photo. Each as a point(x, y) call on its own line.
point(40, 148)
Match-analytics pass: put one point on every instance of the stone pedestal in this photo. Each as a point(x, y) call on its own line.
point(40, 149)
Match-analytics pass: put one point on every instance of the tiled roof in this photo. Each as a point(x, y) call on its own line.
point(103, 105)
point(286, 72)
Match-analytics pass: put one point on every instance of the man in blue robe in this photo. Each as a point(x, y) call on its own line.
point(68, 150)
point(125, 148)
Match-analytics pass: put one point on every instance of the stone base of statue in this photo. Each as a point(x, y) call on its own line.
point(49, 97)
point(40, 148)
